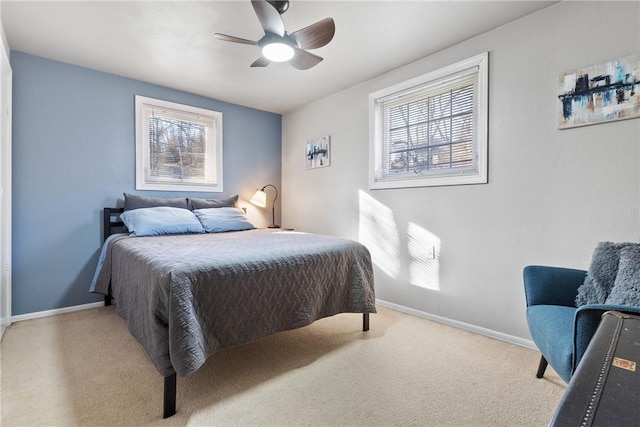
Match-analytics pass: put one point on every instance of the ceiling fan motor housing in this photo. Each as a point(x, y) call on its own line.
point(270, 38)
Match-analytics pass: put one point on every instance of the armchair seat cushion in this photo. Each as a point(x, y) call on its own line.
point(551, 328)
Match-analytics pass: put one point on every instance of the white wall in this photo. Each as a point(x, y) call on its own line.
point(552, 195)
point(5, 184)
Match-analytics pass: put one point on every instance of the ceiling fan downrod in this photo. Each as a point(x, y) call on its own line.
point(280, 6)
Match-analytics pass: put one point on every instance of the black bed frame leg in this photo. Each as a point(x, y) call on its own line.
point(365, 321)
point(107, 300)
point(169, 396)
point(170, 381)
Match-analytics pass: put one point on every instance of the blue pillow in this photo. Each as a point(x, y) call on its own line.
point(161, 220)
point(218, 220)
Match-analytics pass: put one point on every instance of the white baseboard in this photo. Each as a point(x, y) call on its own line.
point(461, 325)
point(434, 317)
point(47, 313)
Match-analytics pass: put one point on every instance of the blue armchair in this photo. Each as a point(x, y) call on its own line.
point(561, 330)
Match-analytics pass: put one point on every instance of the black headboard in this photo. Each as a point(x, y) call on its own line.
point(111, 222)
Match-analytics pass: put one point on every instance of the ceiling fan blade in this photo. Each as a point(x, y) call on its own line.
point(234, 39)
point(261, 62)
point(303, 60)
point(315, 35)
point(269, 17)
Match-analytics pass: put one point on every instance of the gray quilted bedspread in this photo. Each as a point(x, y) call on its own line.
point(185, 296)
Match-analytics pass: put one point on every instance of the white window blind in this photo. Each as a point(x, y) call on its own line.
point(429, 131)
point(179, 147)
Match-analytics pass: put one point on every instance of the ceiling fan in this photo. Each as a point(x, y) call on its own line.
point(279, 46)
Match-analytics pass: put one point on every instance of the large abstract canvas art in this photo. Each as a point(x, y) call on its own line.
point(600, 93)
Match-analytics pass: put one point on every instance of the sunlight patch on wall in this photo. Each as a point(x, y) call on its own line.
point(424, 254)
point(378, 231)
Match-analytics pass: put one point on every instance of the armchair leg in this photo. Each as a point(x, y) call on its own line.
point(542, 367)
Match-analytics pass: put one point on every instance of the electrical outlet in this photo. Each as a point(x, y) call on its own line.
point(431, 252)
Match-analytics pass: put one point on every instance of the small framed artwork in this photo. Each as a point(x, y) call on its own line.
point(600, 93)
point(318, 152)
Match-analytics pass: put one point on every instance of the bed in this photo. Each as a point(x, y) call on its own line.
point(185, 296)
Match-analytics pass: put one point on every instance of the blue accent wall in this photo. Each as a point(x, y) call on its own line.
point(74, 153)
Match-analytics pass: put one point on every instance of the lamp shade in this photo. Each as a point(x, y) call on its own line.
point(259, 199)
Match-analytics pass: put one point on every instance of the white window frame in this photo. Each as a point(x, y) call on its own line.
point(211, 181)
point(379, 179)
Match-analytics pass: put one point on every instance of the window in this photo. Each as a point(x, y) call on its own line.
point(431, 130)
point(178, 147)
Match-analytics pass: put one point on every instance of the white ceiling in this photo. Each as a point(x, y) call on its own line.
point(171, 43)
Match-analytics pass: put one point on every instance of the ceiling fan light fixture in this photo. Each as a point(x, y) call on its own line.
point(277, 52)
point(279, 46)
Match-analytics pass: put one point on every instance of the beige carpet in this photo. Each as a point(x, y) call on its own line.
point(84, 368)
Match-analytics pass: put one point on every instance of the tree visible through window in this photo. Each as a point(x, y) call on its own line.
point(178, 147)
point(431, 130)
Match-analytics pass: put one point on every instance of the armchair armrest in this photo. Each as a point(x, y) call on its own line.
point(586, 322)
point(545, 285)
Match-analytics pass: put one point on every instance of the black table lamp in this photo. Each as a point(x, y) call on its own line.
point(260, 199)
